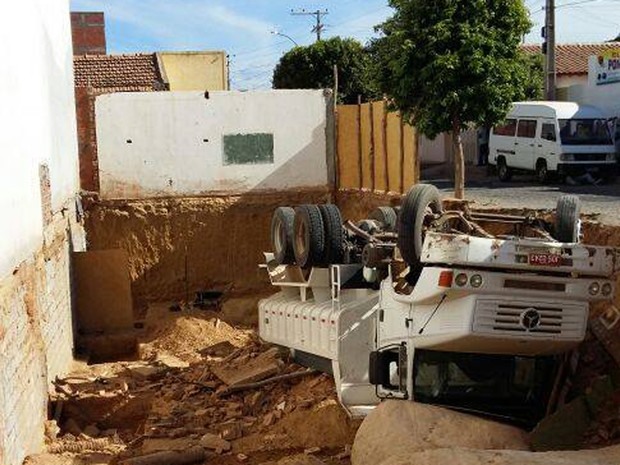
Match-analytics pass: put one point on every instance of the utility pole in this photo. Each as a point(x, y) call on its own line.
point(318, 14)
point(548, 34)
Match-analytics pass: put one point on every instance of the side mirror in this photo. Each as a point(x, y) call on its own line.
point(388, 368)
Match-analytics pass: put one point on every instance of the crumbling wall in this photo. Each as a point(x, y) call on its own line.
point(36, 336)
point(180, 245)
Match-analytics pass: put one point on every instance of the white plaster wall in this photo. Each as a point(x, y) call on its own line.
point(168, 155)
point(37, 120)
point(432, 151)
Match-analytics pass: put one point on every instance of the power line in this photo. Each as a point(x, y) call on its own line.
point(318, 14)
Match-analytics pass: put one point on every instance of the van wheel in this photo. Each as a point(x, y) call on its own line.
point(503, 172)
point(567, 223)
point(419, 207)
point(541, 171)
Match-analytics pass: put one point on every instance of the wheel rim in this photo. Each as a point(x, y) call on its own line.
point(502, 170)
point(279, 238)
point(542, 173)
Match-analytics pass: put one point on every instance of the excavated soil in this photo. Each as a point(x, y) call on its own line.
point(179, 246)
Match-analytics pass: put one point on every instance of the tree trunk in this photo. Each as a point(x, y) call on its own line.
point(459, 160)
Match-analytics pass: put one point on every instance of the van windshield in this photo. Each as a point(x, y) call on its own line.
point(585, 132)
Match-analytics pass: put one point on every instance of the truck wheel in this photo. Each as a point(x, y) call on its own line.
point(334, 235)
point(567, 224)
point(386, 216)
point(419, 204)
point(503, 172)
point(309, 236)
point(542, 173)
point(282, 235)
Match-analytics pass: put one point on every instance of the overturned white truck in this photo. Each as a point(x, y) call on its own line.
point(427, 305)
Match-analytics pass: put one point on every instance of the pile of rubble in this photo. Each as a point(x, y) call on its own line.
point(247, 404)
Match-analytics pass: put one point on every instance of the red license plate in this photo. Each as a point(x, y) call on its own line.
point(545, 259)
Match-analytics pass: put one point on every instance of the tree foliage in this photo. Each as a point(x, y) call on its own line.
point(448, 63)
point(450, 60)
point(311, 67)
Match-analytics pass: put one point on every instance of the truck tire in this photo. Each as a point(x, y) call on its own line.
point(309, 236)
point(282, 235)
point(504, 173)
point(419, 201)
point(386, 216)
point(334, 235)
point(567, 224)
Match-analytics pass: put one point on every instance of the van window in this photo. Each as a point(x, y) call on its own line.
point(527, 128)
point(507, 129)
point(548, 132)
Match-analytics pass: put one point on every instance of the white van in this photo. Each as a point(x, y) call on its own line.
point(553, 138)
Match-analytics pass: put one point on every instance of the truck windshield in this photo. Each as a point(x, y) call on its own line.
point(585, 132)
point(515, 389)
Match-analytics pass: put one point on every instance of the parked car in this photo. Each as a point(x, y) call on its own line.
point(553, 138)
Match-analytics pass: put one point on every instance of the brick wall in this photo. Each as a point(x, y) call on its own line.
point(36, 336)
point(88, 33)
point(87, 138)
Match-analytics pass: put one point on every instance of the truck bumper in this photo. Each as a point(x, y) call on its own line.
point(577, 169)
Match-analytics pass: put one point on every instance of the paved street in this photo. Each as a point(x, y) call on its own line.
point(526, 192)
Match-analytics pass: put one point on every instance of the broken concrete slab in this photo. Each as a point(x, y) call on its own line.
point(248, 370)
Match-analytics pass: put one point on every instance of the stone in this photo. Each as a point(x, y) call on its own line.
point(397, 427)
point(214, 442)
point(232, 431)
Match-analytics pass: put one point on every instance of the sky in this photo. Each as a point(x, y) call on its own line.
point(247, 29)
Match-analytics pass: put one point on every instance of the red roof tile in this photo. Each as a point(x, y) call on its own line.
point(573, 58)
point(113, 72)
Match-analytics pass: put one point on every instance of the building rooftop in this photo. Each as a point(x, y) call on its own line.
point(138, 72)
point(572, 59)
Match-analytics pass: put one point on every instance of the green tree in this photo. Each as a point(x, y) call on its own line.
point(446, 64)
point(312, 67)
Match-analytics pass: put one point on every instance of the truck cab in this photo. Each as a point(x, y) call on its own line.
point(426, 305)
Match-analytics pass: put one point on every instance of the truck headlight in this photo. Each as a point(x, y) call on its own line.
point(461, 279)
point(606, 289)
point(476, 280)
point(594, 288)
point(567, 157)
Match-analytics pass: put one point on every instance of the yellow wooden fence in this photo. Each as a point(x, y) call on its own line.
point(376, 149)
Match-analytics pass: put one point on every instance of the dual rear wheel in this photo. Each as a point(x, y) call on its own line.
point(308, 235)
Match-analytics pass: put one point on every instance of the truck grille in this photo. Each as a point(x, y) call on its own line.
point(590, 156)
point(530, 319)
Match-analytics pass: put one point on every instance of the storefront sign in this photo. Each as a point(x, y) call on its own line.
point(608, 67)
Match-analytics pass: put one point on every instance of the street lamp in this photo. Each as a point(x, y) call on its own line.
point(284, 35)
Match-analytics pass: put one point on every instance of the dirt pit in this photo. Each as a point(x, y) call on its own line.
point(193, 388)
